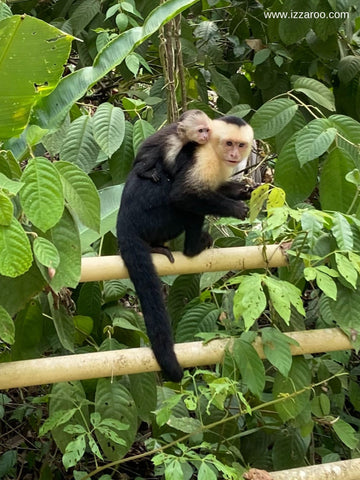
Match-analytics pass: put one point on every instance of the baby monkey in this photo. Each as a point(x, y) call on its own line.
point(158, 152)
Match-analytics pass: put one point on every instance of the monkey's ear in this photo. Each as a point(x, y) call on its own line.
point(181, 130)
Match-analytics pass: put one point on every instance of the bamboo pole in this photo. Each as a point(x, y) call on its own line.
point(343, 470)
point(212, 260)
point(137, 360)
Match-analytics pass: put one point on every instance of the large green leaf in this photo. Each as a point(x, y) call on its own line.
point(298, 378)
point(272, 117)
point(16, 256)
point(314, 139)
point(298, 182)
point(81, 194)
point(109, 127)
point(42, 194)
point(21, 39)
point(113, 400)
point(65, 237)
point(250, 365)
point(315, 90)
point(142, 130)
point(7, 328)
point(200, 318)
point(336, 193)
point(52, 110)
point(79, 146)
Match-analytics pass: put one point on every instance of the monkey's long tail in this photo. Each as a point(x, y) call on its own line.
point(137, 258)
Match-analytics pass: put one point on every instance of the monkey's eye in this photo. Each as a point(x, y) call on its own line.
point(242, 145)
point(229, 143)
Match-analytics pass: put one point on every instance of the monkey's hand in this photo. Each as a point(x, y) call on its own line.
point(241, 210)
point(194, 248)
point(155, 177)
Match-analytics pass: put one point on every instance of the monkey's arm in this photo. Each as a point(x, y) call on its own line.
point(206, 202)
point(237, 190)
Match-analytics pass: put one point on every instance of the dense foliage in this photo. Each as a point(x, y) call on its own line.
point(68, 141)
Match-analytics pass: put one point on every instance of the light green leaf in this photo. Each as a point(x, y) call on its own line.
point(257, 200)
point(277, 349)
point(272, 117)
point(249, 299)
point(142, 130)
point(314, 139)
point(133, 63)
point(250, 365)
point(326, 284)
point(65, 237)
point(184, 424)
point(342, 232)
point(6, 210)
point(346, 433)
point(279, 298)
point(74, 451)
point(81, 194)
point(16, 256)
point(11, 186)
point(109, 127)
point(315, 90)
point(46, 252)
point(80, 146)
point(42, 194)
point(346, 269)
point(206, 473)
point(19, 35)
point(7, 327)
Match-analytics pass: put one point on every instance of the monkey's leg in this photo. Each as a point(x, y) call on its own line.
point(164, 251)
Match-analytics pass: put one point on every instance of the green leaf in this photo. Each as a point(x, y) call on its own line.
point(261, 56)
point(80, 146)
point(56, 419)
point(64, 325)
point(113, 400)
point(297, 181)
point(65, 237)
point(315, 90)
point(278, 298)
point(272, 117)
point(109, 127)
point(257, 200)
point(81, 194)
point(249, 299)
point(42, 194)
point(11, 186)
point(206, 473)
point(314, 139)
point(224, 87)
point(326, 284)
point(312, 224)
point(16, 256)
point(46, 252)
point(200, 318)
point(346, 433)
point(182, 291)
point(133, 63)
point(250, 365)
point(298, 378)
point(142, 130)
point(51, 111)
point(289, 450)
point(37, 79)
point(67, 397)
point(7, 327)
point(144, 391)
point(335, 192)
point(342, 232)
point(184, 424)
point(348, 68)
point(6, 210)
point(74, 451)
point(277, 349)
point(82, 15)
point(121, 162)
point(240, 110)
point(346, 269)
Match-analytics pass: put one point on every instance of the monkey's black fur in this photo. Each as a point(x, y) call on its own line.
point(153, 213)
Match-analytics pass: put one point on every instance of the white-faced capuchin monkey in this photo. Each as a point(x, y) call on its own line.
point(192, 126)
point(153, 213)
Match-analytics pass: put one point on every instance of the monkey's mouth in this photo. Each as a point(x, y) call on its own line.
point(232, 162)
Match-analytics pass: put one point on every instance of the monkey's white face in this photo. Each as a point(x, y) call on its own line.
point(202, 134)
point(234, 142)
